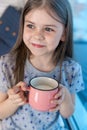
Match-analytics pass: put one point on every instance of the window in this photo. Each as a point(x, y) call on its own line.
point(78, 120)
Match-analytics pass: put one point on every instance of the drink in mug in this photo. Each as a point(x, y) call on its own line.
point(41, 91)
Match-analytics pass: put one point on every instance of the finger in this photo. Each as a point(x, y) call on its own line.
point(57, 102)
point(10, 92)
point(61, 99)
point(13, 90)
point(22, 103)
point(23, 85)
point(18, 101)
point(54, 102)
point(15, 96)
point(57, 108)
point(59, 94)
point(17, 89)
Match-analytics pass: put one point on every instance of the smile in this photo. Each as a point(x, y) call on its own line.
point(37, 45)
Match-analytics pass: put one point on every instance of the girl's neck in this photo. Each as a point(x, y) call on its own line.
point(42, 63)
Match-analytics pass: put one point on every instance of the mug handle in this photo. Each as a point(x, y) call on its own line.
point(26, 93)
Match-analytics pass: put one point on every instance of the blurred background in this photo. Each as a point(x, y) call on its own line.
point(79, 8)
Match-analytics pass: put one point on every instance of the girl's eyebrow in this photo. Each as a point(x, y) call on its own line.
point(50, 25)
point(27, 21)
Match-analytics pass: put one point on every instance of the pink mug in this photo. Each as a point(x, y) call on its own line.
point(41, 92)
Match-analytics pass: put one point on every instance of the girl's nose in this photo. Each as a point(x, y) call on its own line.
point(39, 35)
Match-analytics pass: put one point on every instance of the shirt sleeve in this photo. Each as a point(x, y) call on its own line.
point(6, 75)
point(72, 78)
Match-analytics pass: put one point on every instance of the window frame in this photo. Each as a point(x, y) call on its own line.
point(78, 120)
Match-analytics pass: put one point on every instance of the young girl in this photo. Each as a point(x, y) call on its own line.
point(43, 48)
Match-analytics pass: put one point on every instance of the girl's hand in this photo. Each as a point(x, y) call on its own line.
point(64, 102)
point(16, 94)
point(58, 98)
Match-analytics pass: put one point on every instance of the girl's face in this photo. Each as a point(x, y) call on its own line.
point(42, 33)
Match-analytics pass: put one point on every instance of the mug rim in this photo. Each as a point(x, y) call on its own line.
point(44, 89)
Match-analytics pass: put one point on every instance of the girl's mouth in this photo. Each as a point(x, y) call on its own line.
point(37, 45)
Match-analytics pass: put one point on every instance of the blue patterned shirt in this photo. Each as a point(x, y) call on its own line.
point(26, 118)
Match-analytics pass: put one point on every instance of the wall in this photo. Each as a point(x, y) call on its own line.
point(5, 3)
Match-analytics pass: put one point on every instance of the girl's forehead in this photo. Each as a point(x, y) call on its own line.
point(43, 15)
point(38, 11)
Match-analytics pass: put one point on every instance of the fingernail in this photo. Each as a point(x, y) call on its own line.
point(51, 101)
point(55, 97)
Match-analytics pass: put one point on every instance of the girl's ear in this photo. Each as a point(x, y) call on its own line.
point(63, 36)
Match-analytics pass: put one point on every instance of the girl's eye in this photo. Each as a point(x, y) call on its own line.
point(49, 29)
point(30, 26)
